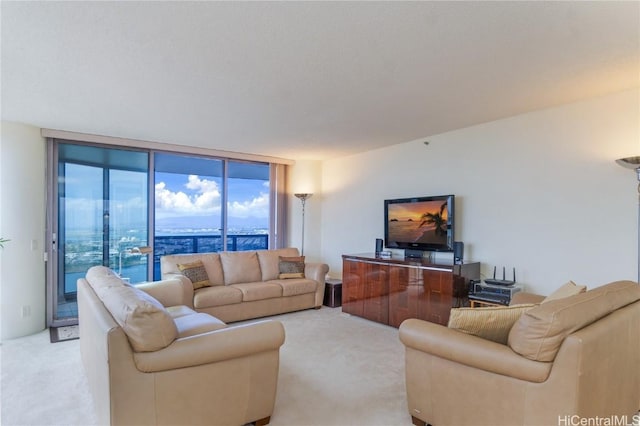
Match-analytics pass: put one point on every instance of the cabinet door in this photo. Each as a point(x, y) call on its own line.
point(405, 289)
point(353, 287)
point(376, 292)
point(438, 287)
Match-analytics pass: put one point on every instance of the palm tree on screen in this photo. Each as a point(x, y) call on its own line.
point(436, 219)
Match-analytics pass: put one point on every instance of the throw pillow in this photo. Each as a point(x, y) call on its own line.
point(291, 267)
point(569, 289)
point(490, 323)
point(196, 273)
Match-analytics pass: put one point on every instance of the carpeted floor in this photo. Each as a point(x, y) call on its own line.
point(335, 369)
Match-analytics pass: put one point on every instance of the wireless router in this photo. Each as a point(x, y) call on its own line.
point(503, 281)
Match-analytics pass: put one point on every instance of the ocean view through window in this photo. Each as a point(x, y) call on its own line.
point(209, 205)
point(113, 201)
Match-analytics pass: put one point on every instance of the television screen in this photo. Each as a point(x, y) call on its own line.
point(421, 223)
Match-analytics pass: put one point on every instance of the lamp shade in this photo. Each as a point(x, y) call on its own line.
point(630, 163)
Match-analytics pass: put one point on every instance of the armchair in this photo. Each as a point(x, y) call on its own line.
point(577, 356)
point(151, 361)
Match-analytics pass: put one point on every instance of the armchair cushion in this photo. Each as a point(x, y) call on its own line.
point(491, 323)
point(197, 323)
point(540, 331)
point(569, 289)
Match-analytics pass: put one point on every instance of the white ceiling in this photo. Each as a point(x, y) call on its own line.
point(306, 80)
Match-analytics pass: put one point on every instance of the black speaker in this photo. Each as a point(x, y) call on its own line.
point(458, 251)
point(379, 243)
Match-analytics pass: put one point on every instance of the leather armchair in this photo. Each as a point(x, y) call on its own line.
point(453, 378)
point(139, 373)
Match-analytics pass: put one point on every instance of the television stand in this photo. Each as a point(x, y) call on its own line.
point(389, 291)
point(413, 254)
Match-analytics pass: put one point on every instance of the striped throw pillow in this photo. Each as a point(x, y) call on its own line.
point(490, 323)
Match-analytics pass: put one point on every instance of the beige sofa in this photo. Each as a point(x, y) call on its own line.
point(246, 284)
point(567, 361)
point(151, 361)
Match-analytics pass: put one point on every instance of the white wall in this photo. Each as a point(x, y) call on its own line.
point(22, 220)
point(539, 192)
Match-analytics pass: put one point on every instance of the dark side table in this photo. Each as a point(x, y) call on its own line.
point(332, 293)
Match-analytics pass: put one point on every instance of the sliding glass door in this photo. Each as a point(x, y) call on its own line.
point(209, 205)
point(248, 206)
point(108, 208)
point(101, 210)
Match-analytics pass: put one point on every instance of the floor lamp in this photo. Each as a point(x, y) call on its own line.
point(303, 198)
point(634, 164)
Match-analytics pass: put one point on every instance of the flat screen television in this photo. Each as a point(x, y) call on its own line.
point(420, 223)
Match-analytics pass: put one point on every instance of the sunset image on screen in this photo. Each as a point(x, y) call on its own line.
point(423, 222)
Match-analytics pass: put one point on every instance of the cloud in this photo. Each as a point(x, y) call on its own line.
point(256, 207)
point(203, 198)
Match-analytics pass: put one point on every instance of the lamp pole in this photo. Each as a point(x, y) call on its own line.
point(634, 163)
point(303, 198)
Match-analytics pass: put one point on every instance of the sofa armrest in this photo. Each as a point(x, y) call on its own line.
point(317, 272)
point(169, 292)
point(185, 284)
point(470, 350)
point(523, 297)
point(214, 346)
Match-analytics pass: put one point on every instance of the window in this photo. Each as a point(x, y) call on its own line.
point(108, 201)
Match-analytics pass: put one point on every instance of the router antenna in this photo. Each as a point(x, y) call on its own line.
point(504, 277)
point(494, 272)
point(514, 274)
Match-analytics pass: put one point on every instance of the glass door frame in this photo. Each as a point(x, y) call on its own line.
point(278, 200)
point(53, 216)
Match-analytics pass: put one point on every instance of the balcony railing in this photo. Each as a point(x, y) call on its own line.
point(134, 267)
point(176, 244)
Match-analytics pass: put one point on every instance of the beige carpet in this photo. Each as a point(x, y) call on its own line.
point(335, 369)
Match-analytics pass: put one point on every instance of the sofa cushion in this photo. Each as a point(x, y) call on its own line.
point(211, 261)
point(144, 320)
point(539, 332)
point(179, 311)
point(216, 296)
point(197, 323)
point(196, 272)
point(291, 267)
point(568, 289)
point(296, 286)
point(270, 259)
point(240, 267)
point(490, 323)
point(258, 290)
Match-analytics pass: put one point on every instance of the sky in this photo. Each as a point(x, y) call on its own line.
point(182, 201)
point(192, 195)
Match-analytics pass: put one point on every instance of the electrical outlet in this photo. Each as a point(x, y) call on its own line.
point(26, 311)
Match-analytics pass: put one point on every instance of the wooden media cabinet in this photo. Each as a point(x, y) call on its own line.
point(389, 291)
